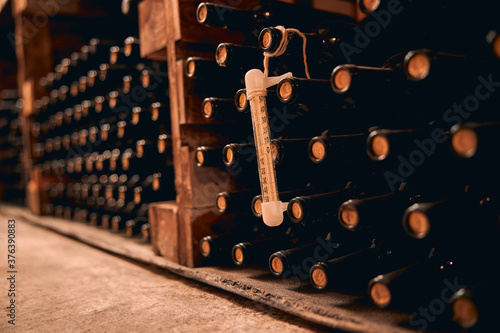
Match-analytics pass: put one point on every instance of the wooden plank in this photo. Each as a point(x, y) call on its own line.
point(28, 94)
point(33, 192)
point(86, 8)
point(196, 223)
point(3, 3)
point(174, 96)
point(163, 217)
point(153, 30)
point(6, 13)
point(33, 52)
point(348, 8)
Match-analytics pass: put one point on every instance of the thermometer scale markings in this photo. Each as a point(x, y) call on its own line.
point(263, 143)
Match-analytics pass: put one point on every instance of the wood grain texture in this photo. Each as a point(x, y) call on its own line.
point(153, 29)
point(85, 8)
point(163, 218)
point(187, 29)
point(3, 3)
point(348, 8)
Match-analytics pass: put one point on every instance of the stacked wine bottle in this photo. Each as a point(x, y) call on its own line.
point(11, 167)
point(385, 156)
point(103, 137)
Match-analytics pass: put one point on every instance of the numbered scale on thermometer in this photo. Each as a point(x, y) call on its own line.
point(262, 135)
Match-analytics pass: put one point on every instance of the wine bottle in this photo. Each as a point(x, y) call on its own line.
point(409, 286)
point(160, 115)
point(98, 50)
point(344, 270)
point(303, 91)
point(298, 261)
point(146, 232)
point(316, 208)
point(353, 80)
point(208, 157)
point(221, 109)
point(155, 80)
point(447, 221)
point(155, 187)
point(164, 143)
point(134, 226)
point(285, 196)
point(83, 216)
point(336, 271)
point(329, 149)
point(241, 101)
point(234, 202)
point(381, 213)
point(211, 79)
point(474, 141)
point(265, 14)
point(239, 57)
point(472, 308)
point(233, 155)
point(258, 251)
point(197, 67)
point(387, 145)
point(368, 6)
point(219, 247)
point(131, 48)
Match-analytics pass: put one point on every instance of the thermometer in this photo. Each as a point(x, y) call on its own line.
point(256, 88)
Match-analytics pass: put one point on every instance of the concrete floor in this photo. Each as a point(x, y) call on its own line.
point(66, 286)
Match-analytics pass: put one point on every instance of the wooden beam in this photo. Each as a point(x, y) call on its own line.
point(153, 30)
point(33, 51)
point(3, 3)
point(52, 7)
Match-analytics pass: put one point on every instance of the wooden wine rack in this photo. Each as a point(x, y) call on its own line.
point(169, 32)
point(196, 187)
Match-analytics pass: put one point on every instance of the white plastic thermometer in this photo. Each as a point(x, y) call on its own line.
point(256, 88)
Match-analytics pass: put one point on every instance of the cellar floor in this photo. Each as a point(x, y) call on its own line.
point(66, 285)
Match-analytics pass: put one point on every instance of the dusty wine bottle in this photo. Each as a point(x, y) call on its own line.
point(298, 261)
point(219, 109)
point(232, 202)
point(382, 213)
point(409, 286)
point(315, 208)
point(233, 155)
point(284, 195)
point(265, 14)
point(354, 80)
point(241, 101)
point(472, 307)
point(134, 226)
point(303, 91)
point(208, 157)
point(238, 57)
point(385, 144)
point(258, 251)
point(334, 148)
point(474, 140)
point(368, 6)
